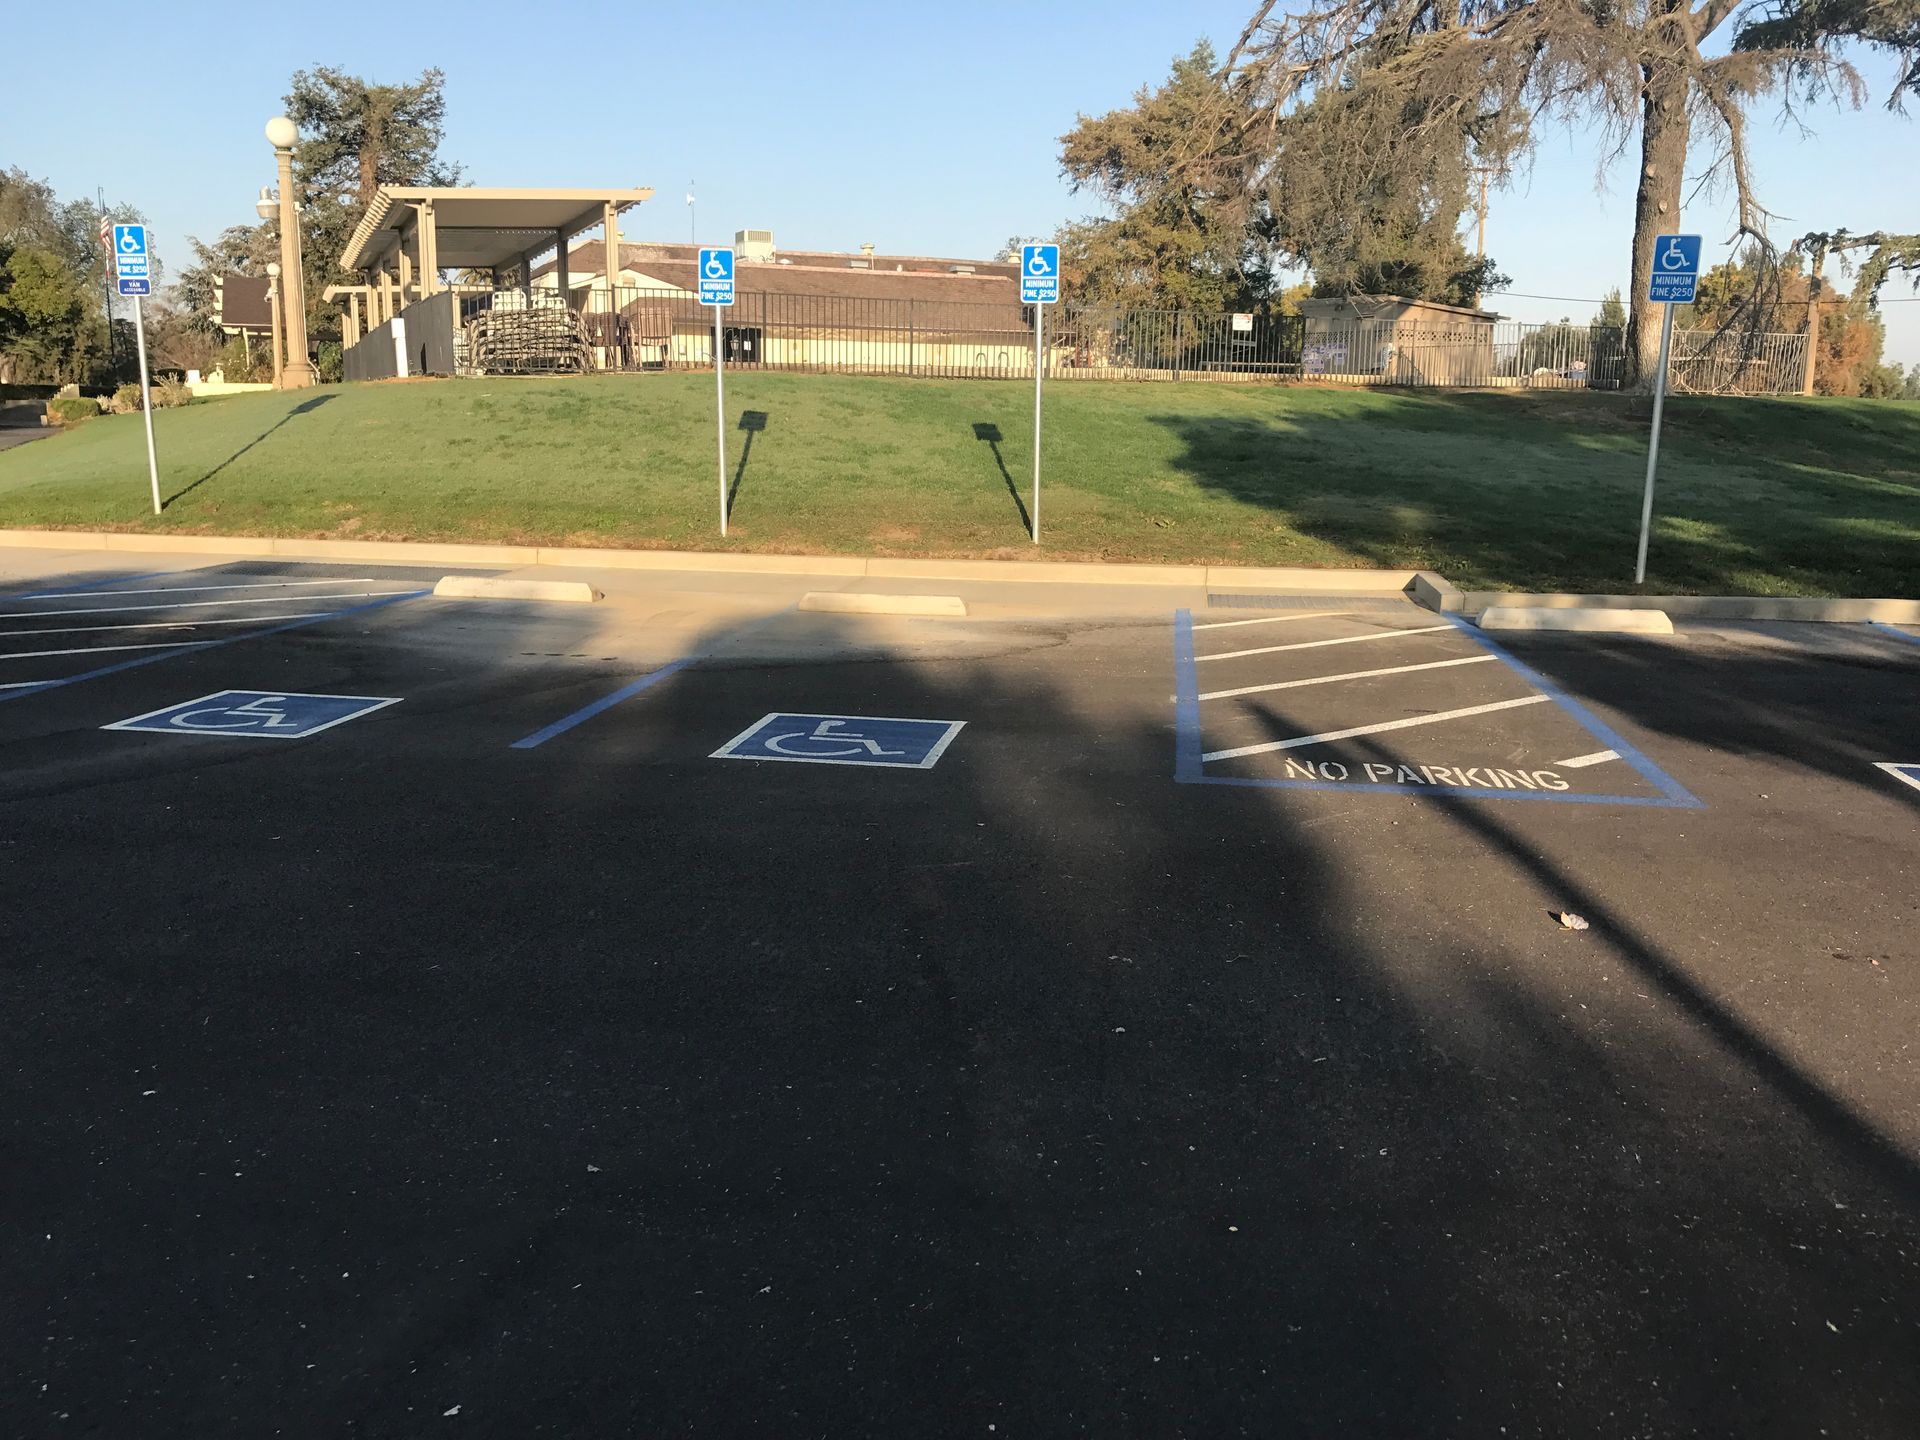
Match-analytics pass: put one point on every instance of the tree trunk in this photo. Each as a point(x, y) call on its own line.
point(1656, 205)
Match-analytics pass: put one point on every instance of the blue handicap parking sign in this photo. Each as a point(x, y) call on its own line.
point(716, 277)
point(843, 740)
point(1676, 269)
point(262, 714)
point(1039, 274)
point(134, 285)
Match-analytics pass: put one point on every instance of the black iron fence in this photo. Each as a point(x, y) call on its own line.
point(534, 332)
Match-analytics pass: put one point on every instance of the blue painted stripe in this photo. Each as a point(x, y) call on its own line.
point(1659, 802)
point(1676, 793)
point(1894, 631)
point(195, 646)
point(1187, 750)
point(83, 589)
point(605, 702)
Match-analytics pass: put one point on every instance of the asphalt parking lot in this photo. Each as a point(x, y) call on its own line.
point(687, 1016)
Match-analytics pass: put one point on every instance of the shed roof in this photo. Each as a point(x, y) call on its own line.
point(1384, 307)
point(648, 256)
point(476, 227)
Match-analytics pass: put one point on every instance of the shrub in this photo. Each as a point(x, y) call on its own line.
point(126, 400)
point(71, 409)
point(243, 364)
point(328, 362)
point(169, 393)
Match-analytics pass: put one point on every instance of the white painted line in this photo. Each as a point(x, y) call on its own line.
point(21, 684)
point(1324, 736)
point(1350, 675)
point(1306, 644)
point(195, 589)
point(166, 624)
point(1580, 762)
point(1273, 619)
point(192, 605)
point(102, 649)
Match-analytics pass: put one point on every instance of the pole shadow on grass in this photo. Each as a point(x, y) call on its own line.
point(305, 407)
point(753, 422)
point(990, 433)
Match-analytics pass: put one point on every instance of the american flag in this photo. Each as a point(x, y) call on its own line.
point(106, 237)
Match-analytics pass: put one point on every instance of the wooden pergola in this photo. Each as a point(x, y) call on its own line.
point(411, 233)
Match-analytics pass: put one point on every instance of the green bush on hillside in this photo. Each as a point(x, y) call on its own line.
point(71, 409)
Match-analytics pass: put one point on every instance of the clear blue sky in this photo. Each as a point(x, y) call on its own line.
point(930, 132)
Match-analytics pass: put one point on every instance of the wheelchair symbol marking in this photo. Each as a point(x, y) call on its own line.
point(888, 742)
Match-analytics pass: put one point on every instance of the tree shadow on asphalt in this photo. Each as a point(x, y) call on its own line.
point(1498, 494)
point(620, 1087)
point(305, 407)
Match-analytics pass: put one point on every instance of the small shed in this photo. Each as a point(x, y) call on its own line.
point(1391, 339)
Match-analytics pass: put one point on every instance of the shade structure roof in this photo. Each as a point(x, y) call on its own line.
point(478, 228)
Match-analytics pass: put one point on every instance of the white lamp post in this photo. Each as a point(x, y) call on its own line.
point(298, 373)
point(273, 300)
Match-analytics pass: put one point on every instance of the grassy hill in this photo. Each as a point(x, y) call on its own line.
point(1524, 490)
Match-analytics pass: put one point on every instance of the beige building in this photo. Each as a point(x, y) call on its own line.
point(802, 308)
point(1392, 340)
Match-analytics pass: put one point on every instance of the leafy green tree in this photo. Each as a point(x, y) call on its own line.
point(1187, 231)
point(355, 136)
point(53, 262)
point(1406, 83)
point(1207, 202)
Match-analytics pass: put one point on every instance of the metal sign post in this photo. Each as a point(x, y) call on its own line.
point(135, 280)
point(1676, 272)
point(716, 289)
point(1039, 287)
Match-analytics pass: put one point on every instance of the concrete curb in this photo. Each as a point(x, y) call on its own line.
point(1706, 607)
point(489, 587)
point(855, 602)
point(1424, 586)
point(1591, 621)
point(848, 567)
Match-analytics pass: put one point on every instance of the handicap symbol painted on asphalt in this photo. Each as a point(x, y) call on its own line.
point(884, 741)
point(264, 714)
point(1905, 774)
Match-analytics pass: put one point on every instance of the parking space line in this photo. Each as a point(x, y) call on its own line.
point(192, 605)
point(1885, 629)
point(1299, 740)
point(1271, 619)
point(1580, 762)
point(195, 589)
point(100, 649)
point(1349, 675)
point(197, 646)
point(1675, 792)
point(163, 624)
point(1307, 644)
point(56, 594)
point(605, 702)
point(634, 687)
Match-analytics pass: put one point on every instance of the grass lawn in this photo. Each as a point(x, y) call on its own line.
point(1535, 491)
